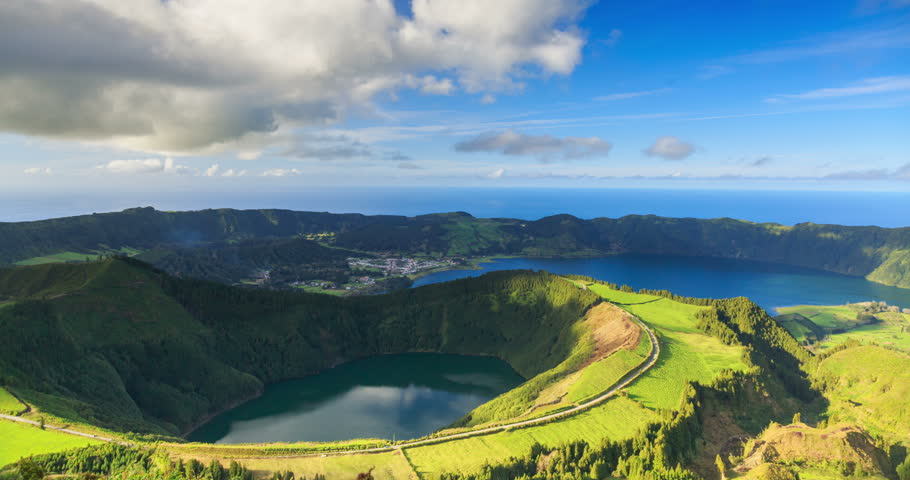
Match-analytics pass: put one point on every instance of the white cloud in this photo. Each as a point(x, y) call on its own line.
point(433, 86)
point(670, 148)
point(488, 99)
point(498, 173)
point(282, 172)
point(869, 86)
point(183, 75)
point(624, 95)
point(38, 171)
point(145, 166)
point(234, 173)
point(212, 171)
point(151, 165)
point(544, 147)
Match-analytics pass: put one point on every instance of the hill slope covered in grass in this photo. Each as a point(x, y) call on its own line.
point(880, 254)
point(726, 370)
point(119, 344)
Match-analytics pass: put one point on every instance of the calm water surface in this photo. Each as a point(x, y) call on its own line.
point(393, 396)
point(768, 285)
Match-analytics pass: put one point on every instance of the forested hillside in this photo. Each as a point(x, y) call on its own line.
point(880, 254)
point(119, 344)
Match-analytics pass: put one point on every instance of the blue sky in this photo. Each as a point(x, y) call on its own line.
point(765, 94)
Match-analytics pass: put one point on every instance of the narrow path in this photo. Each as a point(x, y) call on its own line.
point(61, 429)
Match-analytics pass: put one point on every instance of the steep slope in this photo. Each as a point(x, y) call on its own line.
point(125, 346)
point(840, 451)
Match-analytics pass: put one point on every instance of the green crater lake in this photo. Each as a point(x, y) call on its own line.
point(390, 396)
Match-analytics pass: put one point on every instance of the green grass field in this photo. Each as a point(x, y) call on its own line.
point(17, 441)
point(825, 316)
point(386, 466)
point(325, 291)
point(603, 373)
point(64, 257)
point(8, 403)
point(618, 418)
point(871, 388)
point(887, 334)
point(686, 355)
point(802, 329)
point(893, 330)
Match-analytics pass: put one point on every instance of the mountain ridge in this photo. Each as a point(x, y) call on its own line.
point(876, 253)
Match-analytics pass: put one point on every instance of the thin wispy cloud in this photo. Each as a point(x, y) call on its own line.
point(713, 71)
point(887, 103)
point(626, 95)
point(869, 86)
point(831, 44)
point(409, 166)
point(613, 37)
point(900, 173)
point(760, 162)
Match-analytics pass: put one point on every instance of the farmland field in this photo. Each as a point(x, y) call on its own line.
point(892, 328)
point(828, 317)
point(18, 440)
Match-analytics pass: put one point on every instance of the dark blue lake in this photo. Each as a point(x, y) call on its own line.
point(768, 285)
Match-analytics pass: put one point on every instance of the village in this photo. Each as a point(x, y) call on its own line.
point(375, 275)
point(402, 265)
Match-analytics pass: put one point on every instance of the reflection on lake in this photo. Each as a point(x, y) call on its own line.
point(400, 396)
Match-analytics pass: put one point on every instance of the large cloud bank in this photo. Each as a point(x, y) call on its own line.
point(184, 75)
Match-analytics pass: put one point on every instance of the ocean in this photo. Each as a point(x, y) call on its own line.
point(886, 209)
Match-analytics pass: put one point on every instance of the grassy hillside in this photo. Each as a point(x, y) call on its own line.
point(121, 345)
point(725, 370)
point(9, 405)
point(24, 440)
point(868, 385)
point(825, 327)
point(801, 327)
point(880, 254)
